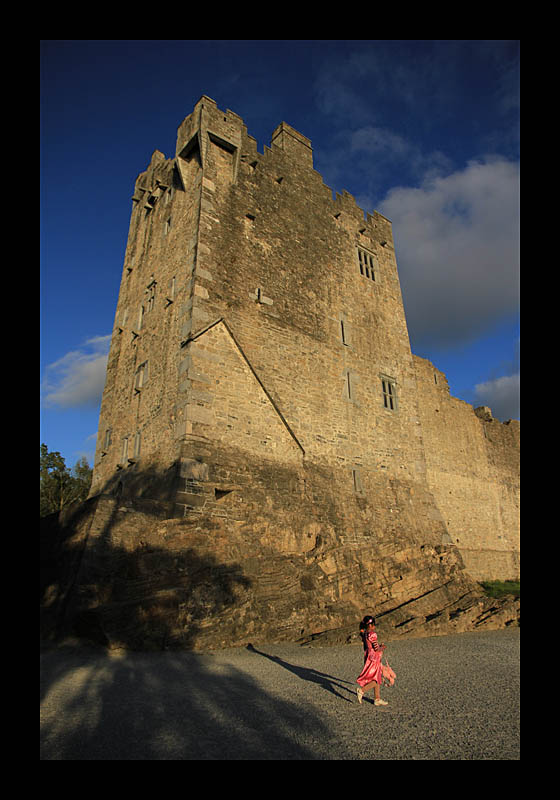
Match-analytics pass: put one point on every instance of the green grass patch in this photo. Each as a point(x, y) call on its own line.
point(500, 588)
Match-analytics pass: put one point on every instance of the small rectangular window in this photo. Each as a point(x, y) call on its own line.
point(357, 478)
point(124, 457)
point(141, 377)
point(389, 393)
point(349, 386)
point(137, 444)
point(344, 330)
point(366, 264)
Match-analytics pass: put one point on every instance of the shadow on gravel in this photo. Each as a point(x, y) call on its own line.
point(165, 706)
point(328, 682)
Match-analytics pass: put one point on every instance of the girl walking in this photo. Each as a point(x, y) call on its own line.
point(371, 675)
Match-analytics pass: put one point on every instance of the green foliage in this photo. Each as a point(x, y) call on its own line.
point(500, 588)
point(60, 486)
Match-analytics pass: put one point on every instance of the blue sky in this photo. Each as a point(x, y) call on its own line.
point(426, 132)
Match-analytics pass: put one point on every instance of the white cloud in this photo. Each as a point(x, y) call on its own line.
point(502, 395)
point(457, 246)
point(77, 379)
point(379, 141)
point(376, 151)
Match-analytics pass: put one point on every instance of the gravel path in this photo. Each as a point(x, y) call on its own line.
point(455, 698)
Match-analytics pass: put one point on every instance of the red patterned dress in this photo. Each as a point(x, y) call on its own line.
point(372, 662)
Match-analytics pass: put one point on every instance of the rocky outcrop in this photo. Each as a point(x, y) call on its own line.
point(246, 565)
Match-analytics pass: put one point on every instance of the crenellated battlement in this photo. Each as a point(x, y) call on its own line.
point(208, 124)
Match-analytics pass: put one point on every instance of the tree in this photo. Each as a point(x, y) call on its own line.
point(59, 486)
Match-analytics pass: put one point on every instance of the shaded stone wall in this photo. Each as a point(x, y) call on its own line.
point(279, 555)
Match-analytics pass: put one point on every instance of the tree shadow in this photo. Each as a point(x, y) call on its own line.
point(111, 576)
point(127, 684)
point(96, 593)
point(327, 682)
point(166, 706)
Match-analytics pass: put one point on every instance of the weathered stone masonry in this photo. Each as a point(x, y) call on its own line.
point(263, 412)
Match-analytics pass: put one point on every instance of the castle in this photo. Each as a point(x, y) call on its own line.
point(263, 408)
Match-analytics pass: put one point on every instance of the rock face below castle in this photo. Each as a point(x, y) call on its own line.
point(272, 460)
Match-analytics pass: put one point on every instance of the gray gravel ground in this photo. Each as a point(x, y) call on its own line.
point(455, 698)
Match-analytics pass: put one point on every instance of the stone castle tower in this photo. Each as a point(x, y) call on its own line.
point(262, 399)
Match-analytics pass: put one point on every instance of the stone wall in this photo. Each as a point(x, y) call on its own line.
point(473, 471)
point(139, 405)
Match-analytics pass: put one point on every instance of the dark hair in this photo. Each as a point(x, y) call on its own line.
point(363, 626)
